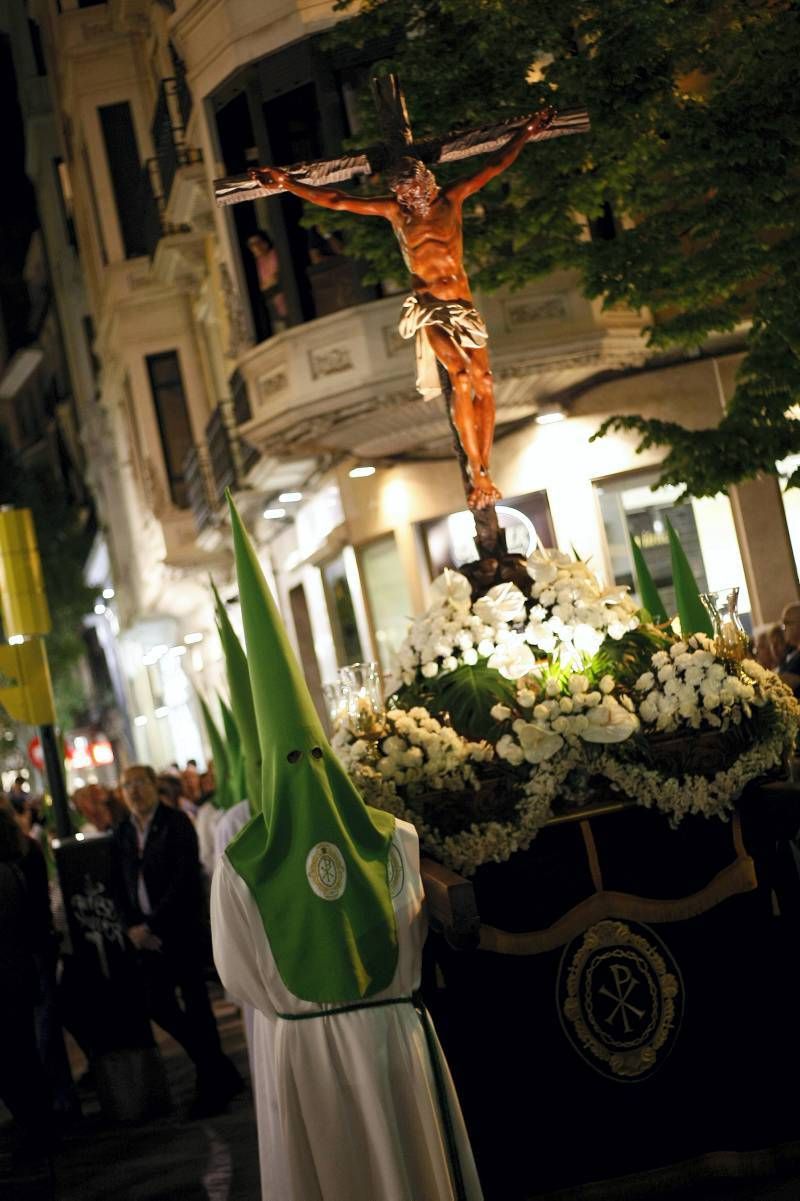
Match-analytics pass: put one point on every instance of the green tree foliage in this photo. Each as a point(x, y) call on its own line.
point(695, 111)
point(63, 545)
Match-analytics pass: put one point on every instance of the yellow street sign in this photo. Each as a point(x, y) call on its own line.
point(26, 692)
point(23, 601)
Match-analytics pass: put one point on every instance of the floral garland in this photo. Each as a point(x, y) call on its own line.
point(515, 706)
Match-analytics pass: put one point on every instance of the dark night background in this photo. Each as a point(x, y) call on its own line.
point(17, 206)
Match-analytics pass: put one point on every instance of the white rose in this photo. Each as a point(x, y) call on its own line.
point(452, 586)
point(429, 670)
point(506, 748)
point(470, 656)
point(500, 712)
point(610, 722)
point(645, 682)
point(486, 647)
point(449, 663)
point(541, 569)
point(538, 744)
point(607, 684)
point(578, 684)
point(526, 698)
point(504, 602)
point(513, 660)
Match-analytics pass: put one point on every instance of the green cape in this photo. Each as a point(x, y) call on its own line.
point(316, 861)
point(241, 703)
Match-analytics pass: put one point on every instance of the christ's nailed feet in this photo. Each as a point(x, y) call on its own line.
point(483, 493)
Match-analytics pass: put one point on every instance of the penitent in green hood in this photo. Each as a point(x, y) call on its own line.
point(223, 794)
point(316, 861)
point(242, 705)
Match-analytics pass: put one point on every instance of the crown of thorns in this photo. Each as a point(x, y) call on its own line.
point(409, 170)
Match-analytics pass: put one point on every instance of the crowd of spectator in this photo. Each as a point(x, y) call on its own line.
point(151, 823)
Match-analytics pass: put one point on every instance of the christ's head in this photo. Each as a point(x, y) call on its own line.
point(414, 185)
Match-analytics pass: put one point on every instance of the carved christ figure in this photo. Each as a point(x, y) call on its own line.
point(440, 314)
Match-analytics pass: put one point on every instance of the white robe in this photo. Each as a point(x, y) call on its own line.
point(205, 825)
point(347, 1106)
point(231, 821)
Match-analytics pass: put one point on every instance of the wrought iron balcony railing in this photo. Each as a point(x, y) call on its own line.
point(168, 129)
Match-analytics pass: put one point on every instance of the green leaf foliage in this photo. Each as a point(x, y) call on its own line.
point(466, 695)
point(693, 616)
point(651, 598)
point(695, 146)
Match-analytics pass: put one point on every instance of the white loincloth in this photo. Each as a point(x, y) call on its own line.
point(461, 322)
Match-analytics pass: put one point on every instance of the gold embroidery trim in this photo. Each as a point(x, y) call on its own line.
point(737, 877)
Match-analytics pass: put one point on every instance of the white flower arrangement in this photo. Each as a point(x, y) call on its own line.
point(689, 686)
point(567, 614)
point(569, 695)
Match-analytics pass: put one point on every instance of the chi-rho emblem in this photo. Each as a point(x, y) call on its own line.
point(326, 871)
point(620, 997)
point(395, 871)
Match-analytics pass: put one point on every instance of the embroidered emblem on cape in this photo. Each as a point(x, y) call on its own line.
point(326, 871)
point(621, 998)
point(396, 871)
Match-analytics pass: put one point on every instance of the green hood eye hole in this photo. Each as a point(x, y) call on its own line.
point(316, 752)
point(294, 756)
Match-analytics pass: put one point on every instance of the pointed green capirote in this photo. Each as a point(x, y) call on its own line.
point(222, 791)
point(651, 599)
point(236, 764)
point(241, 702)
point(317, 861)
point(692, 615)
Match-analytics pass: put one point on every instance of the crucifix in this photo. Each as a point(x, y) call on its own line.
point(450, 335)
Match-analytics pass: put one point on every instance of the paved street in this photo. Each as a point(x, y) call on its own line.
point(213, 1159)
point(216, 1159)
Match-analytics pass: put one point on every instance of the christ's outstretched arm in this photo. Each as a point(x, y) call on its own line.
point(501, 159)
point(327, 198)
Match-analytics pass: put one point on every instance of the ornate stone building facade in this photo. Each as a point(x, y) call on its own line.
point(212, 374)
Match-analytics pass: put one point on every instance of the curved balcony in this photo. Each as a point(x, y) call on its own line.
point(344, 384)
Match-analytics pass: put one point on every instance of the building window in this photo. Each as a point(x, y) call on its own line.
point(172, 414)
point(632, 508)
point(387, 596)
point(127, 180)
point(285, 108)
point(450, 541)
point(341, 612)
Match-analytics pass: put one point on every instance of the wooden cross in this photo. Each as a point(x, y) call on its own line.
point(397, 142)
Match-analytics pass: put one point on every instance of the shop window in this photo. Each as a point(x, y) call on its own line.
point(632, 508)
point(341, 612)
point(172, 414)
point(450, 541)
point(387, 596)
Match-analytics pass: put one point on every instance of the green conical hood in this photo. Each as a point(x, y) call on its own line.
point(223, 798)
point(317, 860)
point(651, 600)
point(693, 617)
point(235, 756)
point(241, 702)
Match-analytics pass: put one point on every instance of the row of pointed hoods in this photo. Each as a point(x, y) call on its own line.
point(314, 857)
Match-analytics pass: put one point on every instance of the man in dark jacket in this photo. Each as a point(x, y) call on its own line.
point(162, 902)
